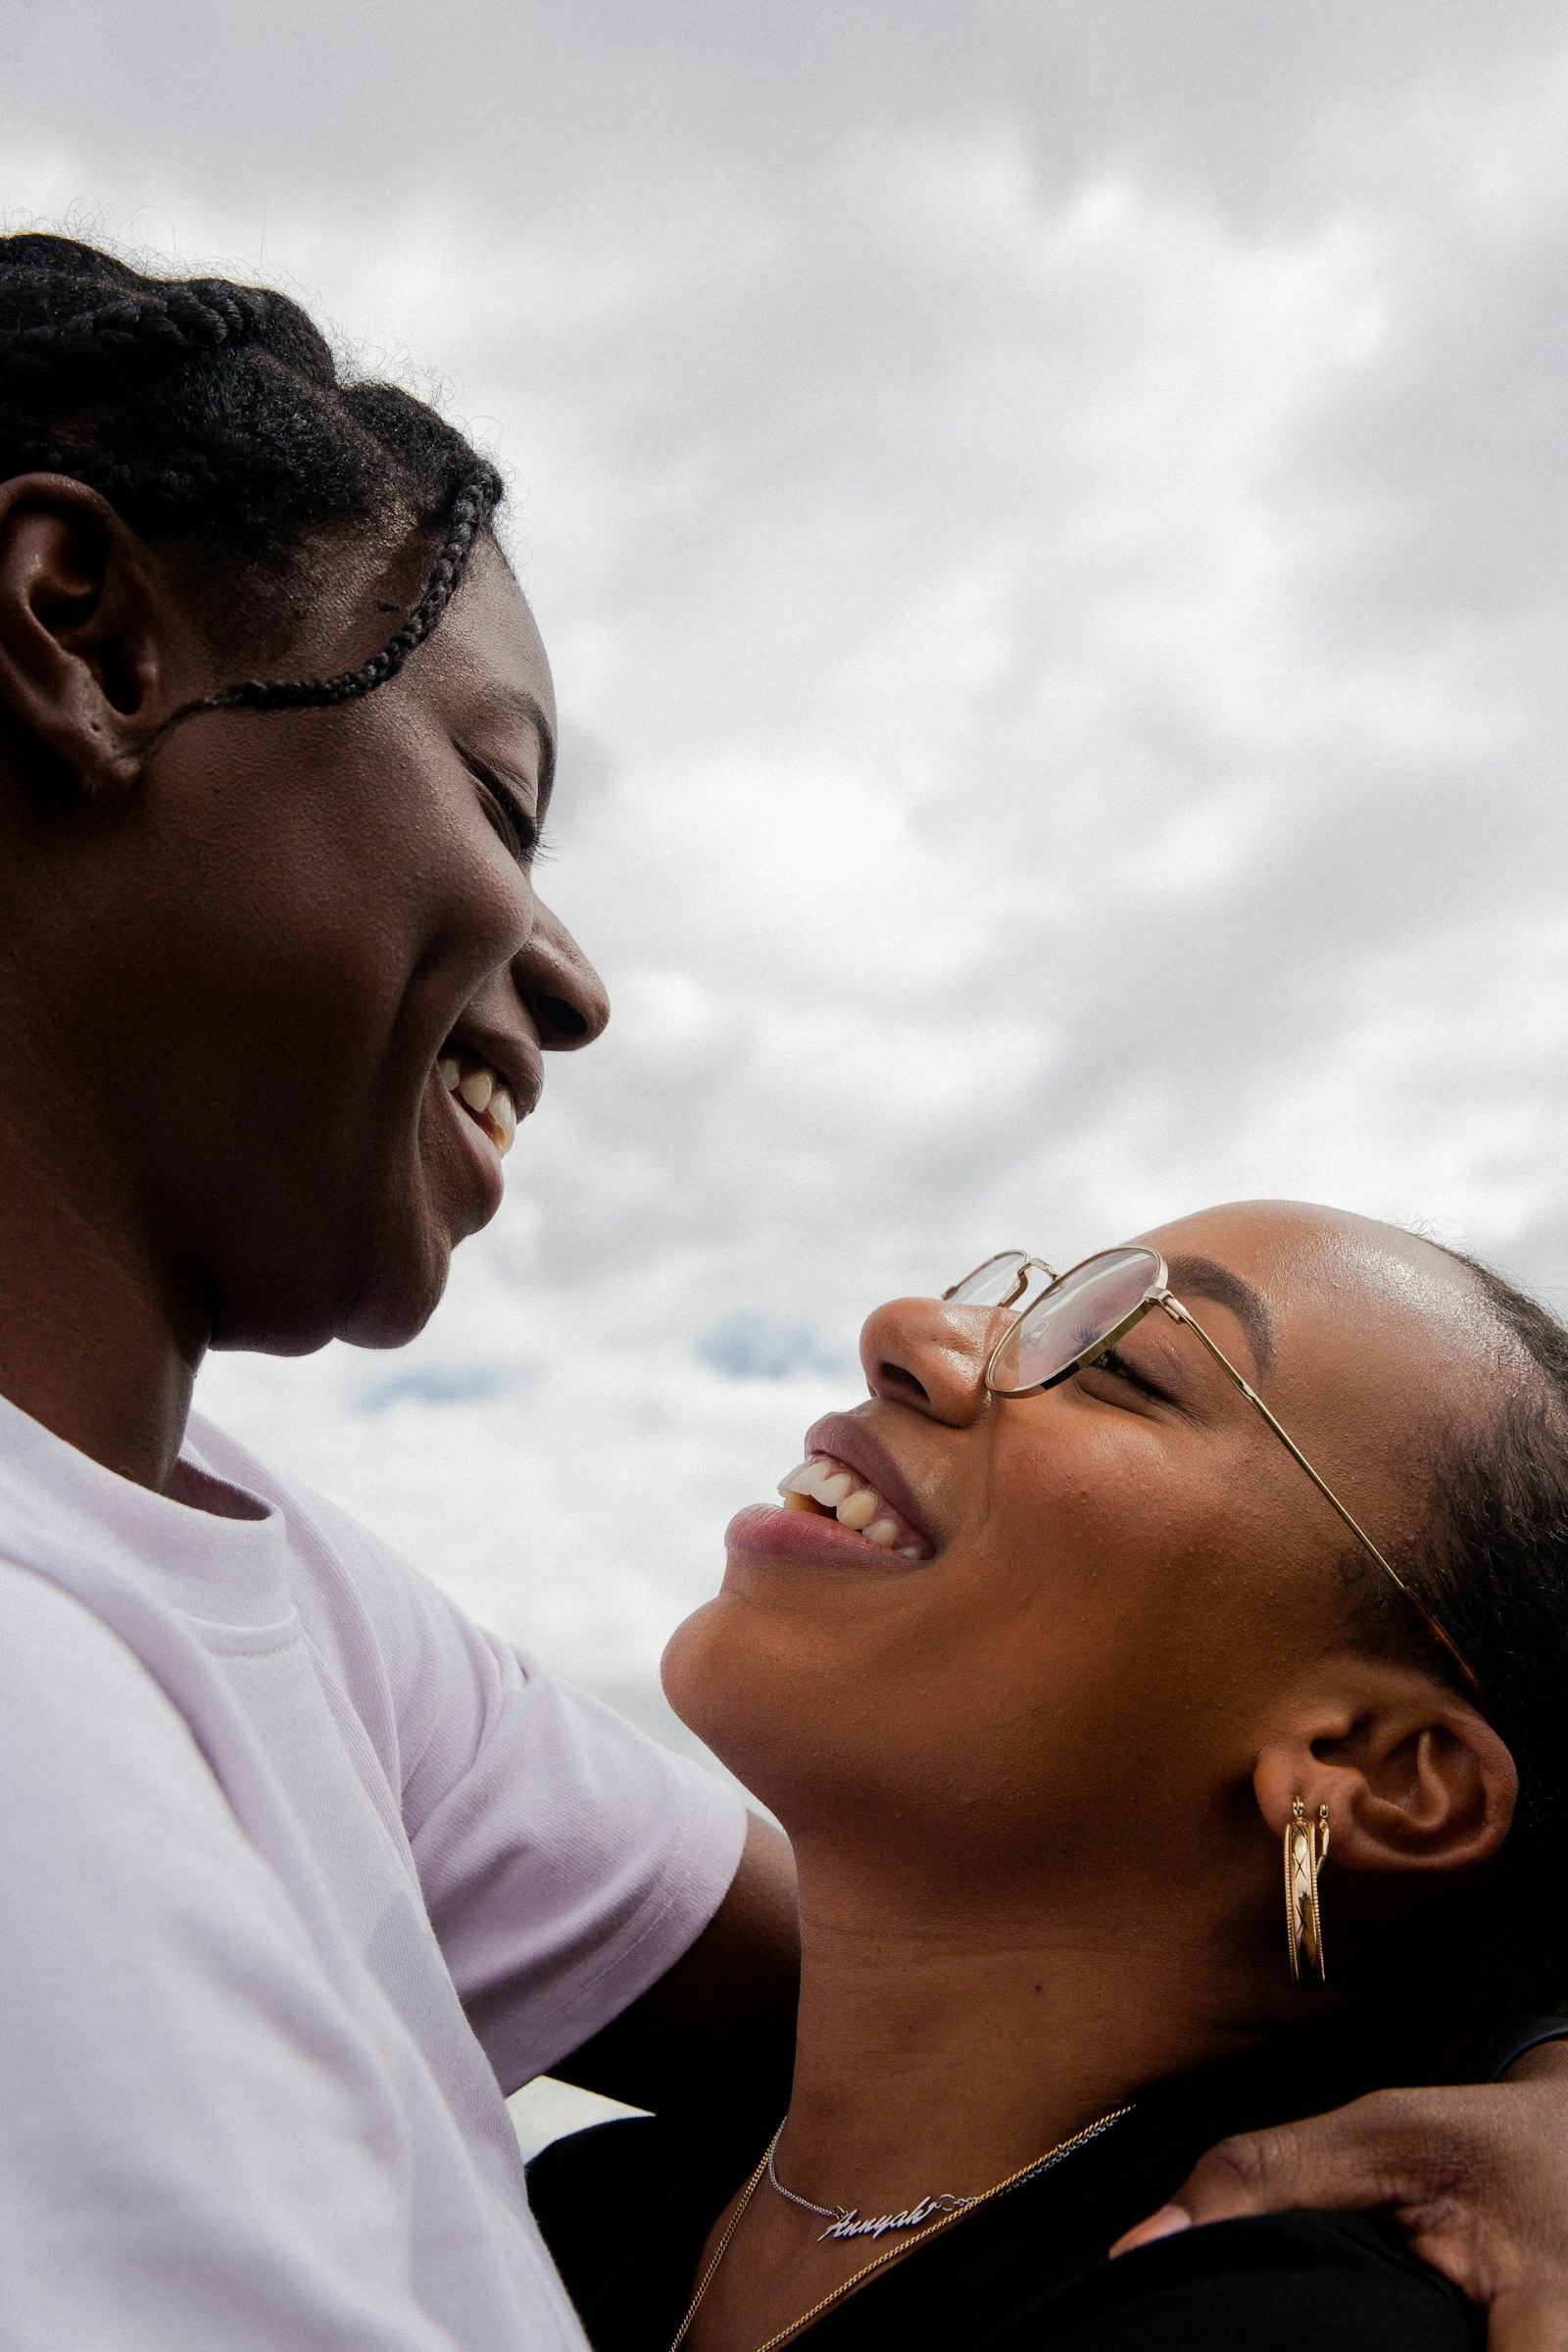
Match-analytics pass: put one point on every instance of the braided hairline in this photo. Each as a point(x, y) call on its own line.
point(197, 315)
point(471, 510)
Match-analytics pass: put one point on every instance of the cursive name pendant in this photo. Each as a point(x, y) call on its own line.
point(844, 2221)
point(848, 2224)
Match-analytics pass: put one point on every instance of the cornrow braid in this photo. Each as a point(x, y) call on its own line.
point(470, 511)
point(200, 314)
point(216, 421)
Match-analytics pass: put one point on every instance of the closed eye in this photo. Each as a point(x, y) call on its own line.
point(1116, 1365)
point(517, 828)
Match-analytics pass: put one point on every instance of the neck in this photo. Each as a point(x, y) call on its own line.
point(942, 2047)
point(90, 1344)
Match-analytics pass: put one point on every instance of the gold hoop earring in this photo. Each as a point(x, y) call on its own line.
point(1307, 1845)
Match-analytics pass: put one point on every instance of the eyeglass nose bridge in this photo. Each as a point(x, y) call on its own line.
point(1034, 1265)
point(1021, 1282)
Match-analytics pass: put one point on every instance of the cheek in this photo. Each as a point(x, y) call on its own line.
point(1078, 1646)
point(367, 857)
point(370, 949)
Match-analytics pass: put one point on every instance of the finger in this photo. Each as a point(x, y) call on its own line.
point(1369, 2154)
point(1165, 2223)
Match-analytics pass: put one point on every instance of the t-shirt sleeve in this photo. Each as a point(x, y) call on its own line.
point(198, 2144)
point(1284, 2283)
point(566, 1859)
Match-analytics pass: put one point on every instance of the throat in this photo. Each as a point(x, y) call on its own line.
point(932, 2063)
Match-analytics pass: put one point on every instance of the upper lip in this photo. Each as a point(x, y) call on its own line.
point(515, 1060)
point(849, 1442)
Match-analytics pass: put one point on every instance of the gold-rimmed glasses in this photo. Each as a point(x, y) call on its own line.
point(1081, 1314)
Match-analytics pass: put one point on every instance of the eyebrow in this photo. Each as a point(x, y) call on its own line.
point(1204, 1278)
point(515, 702)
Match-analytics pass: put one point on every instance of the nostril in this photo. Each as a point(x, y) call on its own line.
point(560, 1016)
point(893, 1376)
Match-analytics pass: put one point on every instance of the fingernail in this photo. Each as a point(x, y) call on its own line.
point(1166, 2222)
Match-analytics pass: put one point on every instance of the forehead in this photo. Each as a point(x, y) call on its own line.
point(1351, 1302)
point(488, 654)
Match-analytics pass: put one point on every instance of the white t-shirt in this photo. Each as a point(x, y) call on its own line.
point(300, 1871)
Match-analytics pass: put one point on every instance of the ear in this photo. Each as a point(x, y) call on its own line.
point(1414, 1780)
point(78, 657)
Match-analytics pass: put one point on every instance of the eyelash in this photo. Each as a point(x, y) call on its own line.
point(1116, 1364)
point(523, 837)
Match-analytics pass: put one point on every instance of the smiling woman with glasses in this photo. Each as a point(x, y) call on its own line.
point(1159, 1676)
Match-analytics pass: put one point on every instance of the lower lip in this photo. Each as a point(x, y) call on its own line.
point(485, 1158)
point(763, 1532)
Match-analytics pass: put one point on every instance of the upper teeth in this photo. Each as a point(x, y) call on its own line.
point(852, 1503)
point(483, 1093)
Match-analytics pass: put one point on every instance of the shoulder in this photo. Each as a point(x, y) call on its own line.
point(125, 1865)
point(70, 1687)
point(374, 1614)
point(1281, 2282)
point(403, 1652)
point(335, 1556)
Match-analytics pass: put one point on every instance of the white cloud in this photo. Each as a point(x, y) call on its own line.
point(1050, 526)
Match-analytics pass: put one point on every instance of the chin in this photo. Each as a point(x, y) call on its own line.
point(404, 1251)
point(742, 1694)
point(397, 1303)
point(298, 1309)
point(334, 1251)
point(680, 1670)
point(704, 1672)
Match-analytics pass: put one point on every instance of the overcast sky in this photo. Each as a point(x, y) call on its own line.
point(1049, 520)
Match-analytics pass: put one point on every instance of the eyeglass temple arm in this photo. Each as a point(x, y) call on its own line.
point(1174, 1309)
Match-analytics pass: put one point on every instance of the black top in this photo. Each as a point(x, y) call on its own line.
point(626, 2207)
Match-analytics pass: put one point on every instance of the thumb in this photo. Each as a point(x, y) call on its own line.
point(1374, 2152)
point(1477, 2179)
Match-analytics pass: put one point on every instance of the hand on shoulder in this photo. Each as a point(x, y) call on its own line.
point(1476, 2176)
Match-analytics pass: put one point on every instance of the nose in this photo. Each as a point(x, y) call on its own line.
point(932, 1357)
point(563, 995)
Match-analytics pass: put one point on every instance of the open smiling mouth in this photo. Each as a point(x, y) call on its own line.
point(486, 1100)
point(824, 1486)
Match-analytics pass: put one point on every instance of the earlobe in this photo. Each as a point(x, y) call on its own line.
point(79, 666)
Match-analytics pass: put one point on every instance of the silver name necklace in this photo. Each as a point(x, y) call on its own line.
point(844, 2220)
point(878, 2261)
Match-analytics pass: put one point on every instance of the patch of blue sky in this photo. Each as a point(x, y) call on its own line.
point(748, 1346)
point(437, 1384)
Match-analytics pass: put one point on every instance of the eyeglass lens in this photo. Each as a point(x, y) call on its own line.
point(1072, 1318)
point(989, 1285)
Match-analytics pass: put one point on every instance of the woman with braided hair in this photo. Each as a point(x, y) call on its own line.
point(301, 1870)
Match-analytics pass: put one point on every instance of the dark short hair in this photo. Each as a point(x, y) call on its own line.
point(1494, 1568)
point(216, 419)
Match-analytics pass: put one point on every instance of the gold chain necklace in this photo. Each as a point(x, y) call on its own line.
point(1041, 2164)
